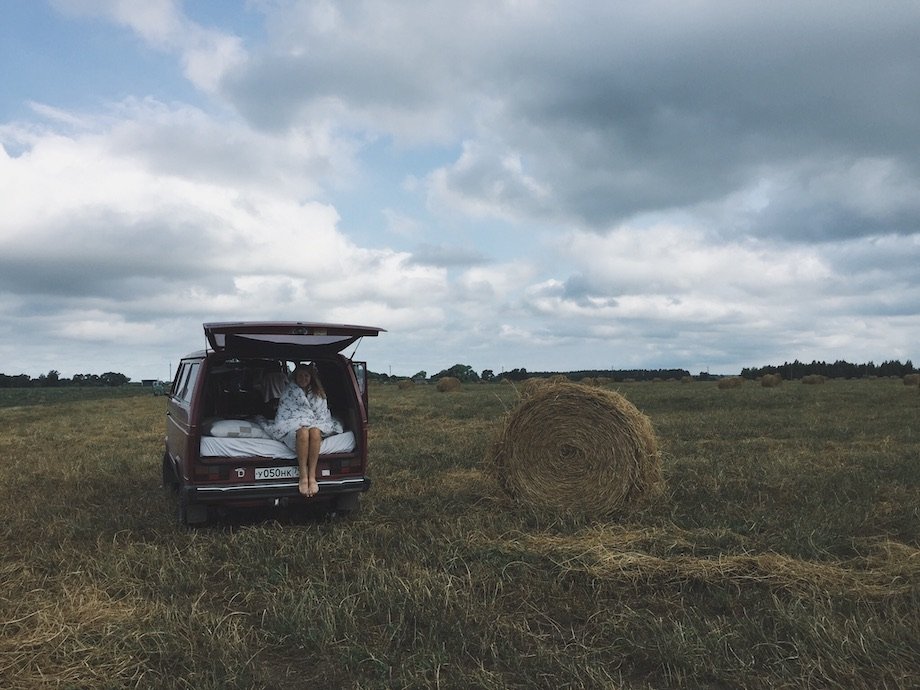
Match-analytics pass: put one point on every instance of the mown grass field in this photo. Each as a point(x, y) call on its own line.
point(784, 553)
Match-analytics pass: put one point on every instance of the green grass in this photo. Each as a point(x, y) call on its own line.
point(18, 397)
point(784, 553)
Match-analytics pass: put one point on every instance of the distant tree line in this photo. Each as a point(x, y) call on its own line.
point(788, 370)
point(53, 380)
point(836, 370)
point(466, 374)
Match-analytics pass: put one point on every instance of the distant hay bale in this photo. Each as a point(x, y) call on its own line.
point(576, 450)
point(771, 380)
point(912, 379)
point(448, 384)
point(528, 387)
point(813, 379)
point(686, 379)
point(731, 382)
point(405, 384)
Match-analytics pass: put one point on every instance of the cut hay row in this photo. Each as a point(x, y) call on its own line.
point(888, 570)
point(576, 450)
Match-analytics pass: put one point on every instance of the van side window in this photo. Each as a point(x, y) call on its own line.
point(179, 381)
point(188, 386)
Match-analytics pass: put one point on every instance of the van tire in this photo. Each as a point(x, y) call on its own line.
point(169, 479)
point(191, 514)
point(347, 504)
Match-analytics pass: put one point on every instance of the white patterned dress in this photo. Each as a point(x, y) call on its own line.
point(297, 409)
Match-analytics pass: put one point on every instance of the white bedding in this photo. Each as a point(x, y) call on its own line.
point(268, 447)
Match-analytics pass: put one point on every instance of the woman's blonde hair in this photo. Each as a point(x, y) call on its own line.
point(316, 386)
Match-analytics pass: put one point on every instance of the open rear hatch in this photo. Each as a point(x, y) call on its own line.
point(290, 340)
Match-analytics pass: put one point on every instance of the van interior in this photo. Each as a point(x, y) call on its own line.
point(246, 388)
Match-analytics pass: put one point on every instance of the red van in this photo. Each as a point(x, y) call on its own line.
point(218, 454)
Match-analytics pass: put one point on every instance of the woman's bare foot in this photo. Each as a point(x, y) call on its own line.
point(314, 487)
point(308, 487)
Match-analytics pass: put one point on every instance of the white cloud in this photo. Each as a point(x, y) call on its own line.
point(484, 183)
point(497, 283)
point(206, 54)
point(107, 238)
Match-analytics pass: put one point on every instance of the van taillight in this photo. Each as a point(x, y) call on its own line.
point(207, 474)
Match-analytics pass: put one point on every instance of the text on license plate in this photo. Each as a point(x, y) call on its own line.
point(277, 472)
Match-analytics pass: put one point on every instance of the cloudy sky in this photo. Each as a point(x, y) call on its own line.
point(556, 185)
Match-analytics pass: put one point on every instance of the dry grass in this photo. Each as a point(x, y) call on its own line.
point(785, 553)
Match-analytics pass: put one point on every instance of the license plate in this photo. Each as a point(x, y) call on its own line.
point(288, 472)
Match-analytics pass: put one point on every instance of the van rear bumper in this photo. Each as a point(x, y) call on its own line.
point(220, 493)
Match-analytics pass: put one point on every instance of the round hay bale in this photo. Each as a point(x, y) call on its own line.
point(686, 379)
point(405, 384)
point(448, 384)
point(911, 379)
point(771, 380)
point(731, 382)
point(577, 450)
point(813, 379)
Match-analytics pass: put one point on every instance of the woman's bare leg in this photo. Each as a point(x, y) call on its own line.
point(316, 440)
point(308, 443)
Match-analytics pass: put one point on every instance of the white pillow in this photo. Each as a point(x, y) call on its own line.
point(237, 428)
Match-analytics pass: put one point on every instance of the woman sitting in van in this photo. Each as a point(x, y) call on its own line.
point(302, 420)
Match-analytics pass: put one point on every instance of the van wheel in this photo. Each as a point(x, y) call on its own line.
point(169, 479)
point(191, 514)
point(346, 504)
